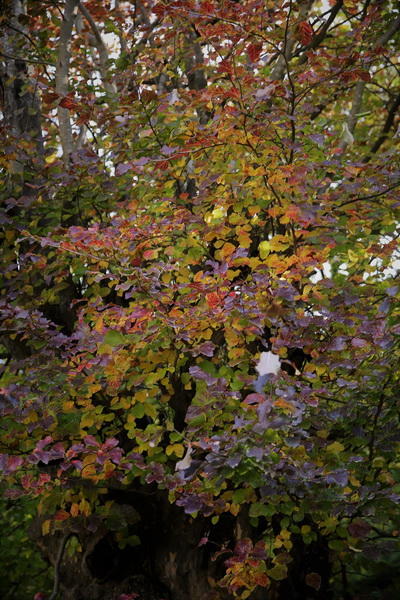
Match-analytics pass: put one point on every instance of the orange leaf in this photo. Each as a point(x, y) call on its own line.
point(61, 515)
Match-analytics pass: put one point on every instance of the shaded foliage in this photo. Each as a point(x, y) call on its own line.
point(185, 186)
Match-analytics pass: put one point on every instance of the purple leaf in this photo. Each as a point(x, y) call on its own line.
point(110, 443)
point(255, 452)
point(318, 138)
point(359, 528)
point(358, 342)
point(198, 373)
point(9, 464)
point(392, 291)
point(265, 92)
point(157, 473)
point(337, 344)
point(191, 504)
point(123, 168)
point(207, 349)
point(243, 548)
point(91, 441)
point(140, 162)
point(168, 150)
point(234, 460)
point(42, 443)
point(340, 477)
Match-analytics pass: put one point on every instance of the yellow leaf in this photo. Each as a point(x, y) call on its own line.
point(46, 527)
point(278, 572)
point(320, 369)
point(87, 420)
point(177, 449)
point(92, 389)
point(10, 235)
point(84, 507)
point(50, 159)
point(335, 448)
point(353, 257)
point(354, 481)
point(264, 249)
point(279, 243)
point(68, 406)
point(74, 510)
point(234, 509)
point(243, 238)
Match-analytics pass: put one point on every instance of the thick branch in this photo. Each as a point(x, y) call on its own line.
point(278, 71)
point(386, 128)
point(319, 37)
point(394, 27)
point(122, 40)
point(102, 50)
point(358, 97)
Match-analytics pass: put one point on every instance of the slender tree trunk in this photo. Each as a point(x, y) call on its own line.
point(20, 103)
point(62, 70)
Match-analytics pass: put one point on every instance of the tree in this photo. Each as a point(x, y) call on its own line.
point(199, 331)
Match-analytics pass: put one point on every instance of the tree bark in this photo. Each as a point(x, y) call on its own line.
point(20, 104)
point(62, 69)
point(169, 563)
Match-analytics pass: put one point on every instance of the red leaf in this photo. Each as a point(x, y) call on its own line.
point(225, 66)
point(207, 7)
point(254, 50)
point(49, 97)
point(214, 299)
point(254, 398)
point(313, 580)
point(159, 10)
point(68, 103)
point(305, 32)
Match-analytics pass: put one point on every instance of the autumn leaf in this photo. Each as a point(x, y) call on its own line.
point(313, 580)
point(305, 32)
point(253, 51)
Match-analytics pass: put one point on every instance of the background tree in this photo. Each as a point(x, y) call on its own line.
point(188, 184)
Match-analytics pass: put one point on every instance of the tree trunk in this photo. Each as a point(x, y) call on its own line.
point(167, 564)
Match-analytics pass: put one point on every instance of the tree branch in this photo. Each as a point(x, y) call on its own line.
point(60, 554)
point(359, 92)
point(279, 70)
point(319, 37)
point(102, 50)
point(385, 130)
point(389, 33)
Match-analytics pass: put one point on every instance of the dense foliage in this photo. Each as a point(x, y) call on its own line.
point(187, 184)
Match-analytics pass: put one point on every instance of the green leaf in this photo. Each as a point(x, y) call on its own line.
point(114, 338)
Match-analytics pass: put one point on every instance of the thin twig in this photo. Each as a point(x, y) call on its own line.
point(24, 59)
